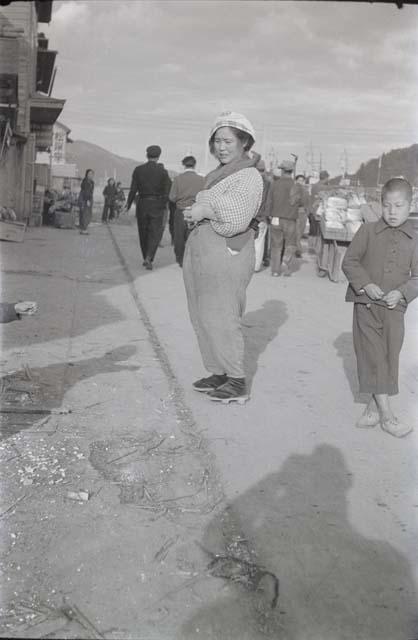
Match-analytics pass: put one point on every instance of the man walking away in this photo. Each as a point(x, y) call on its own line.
point(151, 182)
point(261, 239)
point(303, 212)
point(182, 194)
point(283, 203)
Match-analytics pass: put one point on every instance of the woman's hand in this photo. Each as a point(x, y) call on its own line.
point(197, 212)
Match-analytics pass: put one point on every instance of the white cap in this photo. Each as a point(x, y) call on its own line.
point(233, 119)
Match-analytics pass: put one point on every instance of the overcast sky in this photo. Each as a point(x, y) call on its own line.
point(334, 74)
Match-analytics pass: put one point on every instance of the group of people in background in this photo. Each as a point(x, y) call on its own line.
point(114, 200)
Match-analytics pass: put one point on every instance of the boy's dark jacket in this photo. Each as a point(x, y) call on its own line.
point(386, 256)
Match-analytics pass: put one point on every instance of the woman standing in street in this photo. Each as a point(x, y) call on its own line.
point(219, 257)
point(85, 200)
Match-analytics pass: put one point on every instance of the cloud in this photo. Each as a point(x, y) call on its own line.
point(70, 12)
point(338, 73)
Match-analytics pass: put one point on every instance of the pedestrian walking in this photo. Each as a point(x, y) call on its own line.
point(262, 217)
point(381, 265)
point(110, 193)
point(219, 257)
point(184, 189)
point(151, 183)
point(283, 202)
point(303, 212)
point(85, 200)
point(120, 199)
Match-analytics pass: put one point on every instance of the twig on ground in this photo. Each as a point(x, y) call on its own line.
point(162, 553)
point(3, 513)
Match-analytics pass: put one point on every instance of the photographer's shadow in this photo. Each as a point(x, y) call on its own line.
point(335, 583)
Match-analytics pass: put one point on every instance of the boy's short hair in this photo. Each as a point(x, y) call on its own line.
point(397, 184)
point(189, 162)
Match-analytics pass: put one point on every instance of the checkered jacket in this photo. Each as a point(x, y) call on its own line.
point(234, 200)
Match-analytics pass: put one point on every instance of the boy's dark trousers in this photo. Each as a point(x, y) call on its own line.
point(150, 220)
point(378, 334)
point(181, 233)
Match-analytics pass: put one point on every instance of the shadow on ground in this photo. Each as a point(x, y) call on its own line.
point(335, 584)
point(260, 328)
point(345, 350)
point(50, 384)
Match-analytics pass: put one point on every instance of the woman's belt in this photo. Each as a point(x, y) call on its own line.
point(237, 242)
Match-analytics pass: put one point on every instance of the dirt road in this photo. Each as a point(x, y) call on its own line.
point(194, 509)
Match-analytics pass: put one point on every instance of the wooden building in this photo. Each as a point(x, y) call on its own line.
point(27, 110)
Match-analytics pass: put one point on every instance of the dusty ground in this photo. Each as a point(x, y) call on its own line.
point(194, 509)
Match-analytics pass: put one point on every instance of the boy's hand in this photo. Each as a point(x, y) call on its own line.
point(393, 298)
point(374, 291)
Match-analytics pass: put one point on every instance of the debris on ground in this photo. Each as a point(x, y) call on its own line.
point(81, 496)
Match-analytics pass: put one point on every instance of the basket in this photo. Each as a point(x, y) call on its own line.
point(343, 235)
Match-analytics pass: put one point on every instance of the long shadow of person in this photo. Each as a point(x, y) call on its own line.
point(260, 328)
point(49, 385)
point(335, 584)
point(345, 351)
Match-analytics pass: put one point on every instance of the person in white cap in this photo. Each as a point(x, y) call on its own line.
point(219, 257)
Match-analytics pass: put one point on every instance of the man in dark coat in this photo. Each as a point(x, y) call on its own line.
point(152, 184)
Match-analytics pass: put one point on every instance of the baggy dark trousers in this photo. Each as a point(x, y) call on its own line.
point(378, 334)
point(108, 211)
point(216, 284)
point(181, 233)
point(150, 221)
point(85, 216)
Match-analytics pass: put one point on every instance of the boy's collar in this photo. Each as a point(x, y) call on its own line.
point(406, 227)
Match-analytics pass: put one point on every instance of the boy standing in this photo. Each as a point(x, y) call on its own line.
point(381, 265)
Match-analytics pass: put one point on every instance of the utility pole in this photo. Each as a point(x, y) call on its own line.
point(379, 170)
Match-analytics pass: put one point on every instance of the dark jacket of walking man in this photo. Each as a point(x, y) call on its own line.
point(283, 202)
point(152, 184)
point(182, 194)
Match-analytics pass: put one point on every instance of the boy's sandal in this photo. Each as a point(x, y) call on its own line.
point(395, 428)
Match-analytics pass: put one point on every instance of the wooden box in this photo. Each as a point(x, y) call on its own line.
point(12, 231)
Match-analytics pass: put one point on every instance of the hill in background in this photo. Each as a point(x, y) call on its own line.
point(398, 162)
point(104, 163)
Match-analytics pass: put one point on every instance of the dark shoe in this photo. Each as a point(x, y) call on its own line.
point(298, 254)
point(234, 390)
point(148, 264)
point(266, 262)
point(209, 384)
